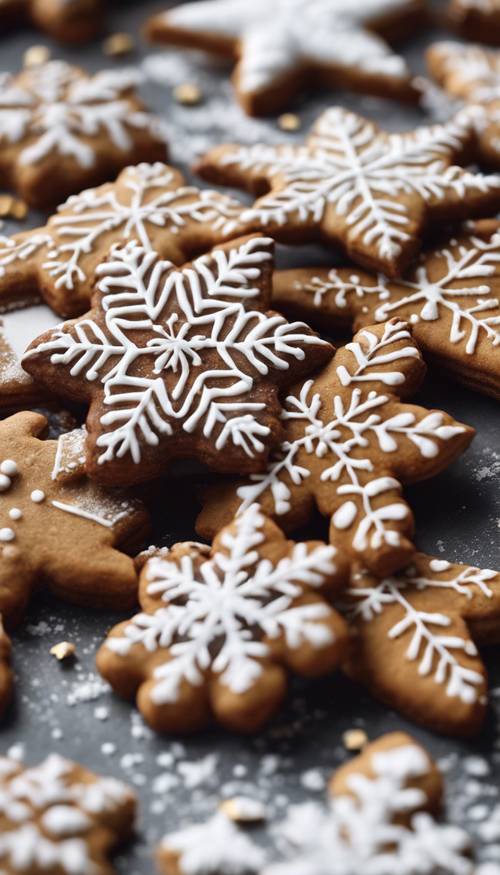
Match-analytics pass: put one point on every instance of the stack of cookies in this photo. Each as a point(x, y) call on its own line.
point(150, 307)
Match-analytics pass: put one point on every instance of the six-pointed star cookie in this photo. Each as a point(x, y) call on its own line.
point(349, 443)
point(352, 184)
point(58, 817)
point(451, 298)
point(332, 43)
point(380, 818)
point(71, 21)
point(179, 363)
point(221, 627)
point(472, 74)
point(57, 529)
point(476, 19)
point(61, 129)
point(149, 203)
point(426, 621)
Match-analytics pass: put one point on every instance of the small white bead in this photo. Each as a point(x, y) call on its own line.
point(5, 483)
point(38, 496)
point(9, 467)
point(7, 535)
point(15, 513)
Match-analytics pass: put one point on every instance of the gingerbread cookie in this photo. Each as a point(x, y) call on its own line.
point(355, 185)
point(58, 530)
point(221, 627)
point(60, 818)
point(334, 45)
point(476, 19)
point(426, 620)
point(472, 74)
point(6, 678)
point(349, 443)
point(62, 129)
point(69, 21)
point(178, 363)
point(380, 819)
point(451, 298)
point(149, 203)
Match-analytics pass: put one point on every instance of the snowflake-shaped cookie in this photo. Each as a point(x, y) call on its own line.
point(58, 530)
point(476, 19)
point(451, 298)
point(427, 620)
point(60, 818)
point(349, 443)
point(332, 42)
point(221, 627)
point(149, 203)
point(61, 129)
point(472, 74)
point(355, 185)
point(69, 21)
point(178, 363)
point(378, 821)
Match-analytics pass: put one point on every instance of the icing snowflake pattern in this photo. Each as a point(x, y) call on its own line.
point(219, 610)
point(203, 349)
point(50, 813)
point(355, 184)
point(330, 426)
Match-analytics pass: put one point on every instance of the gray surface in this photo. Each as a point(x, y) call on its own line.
point(458, 518)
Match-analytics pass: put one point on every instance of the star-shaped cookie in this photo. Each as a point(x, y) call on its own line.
point(354, 185)
point(58, 817)
point(472, 74)
point(476, 19)
point(58, 530)
point(149, 203)
point(349, 443)
point(178, 363)
point(427, 621)
point(451, 298)
point(331, 43)
point(62, 129)
point(69, 21)
point(221, 627)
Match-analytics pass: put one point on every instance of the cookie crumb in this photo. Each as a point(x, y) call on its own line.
point(354, 739)
point(63, 650)
point(289, 121)
point(187, 93)
point(242, 809)
point(118, 44)
point(36, 55)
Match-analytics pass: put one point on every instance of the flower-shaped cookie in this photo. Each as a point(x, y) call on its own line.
point(349, 444)
point(472, 73)
point(451, 298)
point(426, 621)
point(221, 627)
point(57, 529)
point(60, 818)
point(355, 185)
point(149, 203)
point(178, 363)
point(62, 130)
point(70, 21)
point(332, 44)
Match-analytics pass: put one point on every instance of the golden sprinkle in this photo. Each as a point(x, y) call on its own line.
point(36, 55)
point(118, 44)
point(19, 209)
point(355, 739)
point(6, 201)
point(62, 651)
point(188, 93)
point(243, 810)
point(289, 122)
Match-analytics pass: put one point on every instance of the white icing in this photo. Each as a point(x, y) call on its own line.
point(56, 109)
point(79, 510)
point(70, 452)
point(357, 419)
point(218, 610)
point(15, 513)
point(7, 535)
point(216, 847)
point(352, 175)
point(37, 496)
point(9, 467)
point(298, 33)
point(186, 316)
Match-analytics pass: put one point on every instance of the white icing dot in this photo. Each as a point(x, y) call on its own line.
point(7, 535)
point(38, 496)
point(15, 513)
point(439, 565)
point(9, 467)
point(5, 482)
